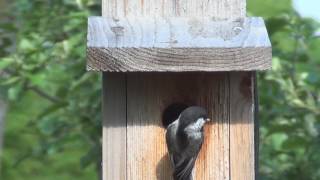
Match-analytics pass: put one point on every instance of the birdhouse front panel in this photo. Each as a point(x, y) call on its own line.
point(134, 132)
point(156, 55)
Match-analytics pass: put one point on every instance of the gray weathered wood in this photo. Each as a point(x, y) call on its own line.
point(148, 96)
point(242, 147)
point(114, 126)
point(177, 44)
point(217, 9)
point(256, 126)
point(177, 36)
point(176, 32)
point(228, 150)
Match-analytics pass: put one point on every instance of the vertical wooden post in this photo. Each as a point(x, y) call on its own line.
point(242, 152)
point(196, 38)
point(219, 10)
point(114, 126)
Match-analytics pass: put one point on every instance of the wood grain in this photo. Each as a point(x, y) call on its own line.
point(177, 44)
point(178, 60)
point(176, 32)
point(114, 127)
point(134, 143)
point(242, 145)
point(217, 9)
point(177, 36)
point(149, 95)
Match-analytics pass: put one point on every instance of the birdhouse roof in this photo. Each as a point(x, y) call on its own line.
point(177, 44)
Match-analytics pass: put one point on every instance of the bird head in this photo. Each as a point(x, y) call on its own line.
point(193, 117)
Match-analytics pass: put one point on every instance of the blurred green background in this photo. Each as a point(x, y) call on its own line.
point(52, 126)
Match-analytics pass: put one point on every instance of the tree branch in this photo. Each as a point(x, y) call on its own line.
point(44, 94)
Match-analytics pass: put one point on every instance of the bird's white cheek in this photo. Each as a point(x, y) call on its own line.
point(201, 122)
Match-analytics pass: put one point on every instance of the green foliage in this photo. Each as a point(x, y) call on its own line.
point(54, 117)
point(269, 8)
point(32, 155)
point(289, 95)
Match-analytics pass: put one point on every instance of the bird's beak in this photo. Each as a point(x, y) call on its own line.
point(207, 120)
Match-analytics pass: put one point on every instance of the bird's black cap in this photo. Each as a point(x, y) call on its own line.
point(191, 114)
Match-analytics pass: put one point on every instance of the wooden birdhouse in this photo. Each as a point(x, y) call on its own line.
point(159, 55)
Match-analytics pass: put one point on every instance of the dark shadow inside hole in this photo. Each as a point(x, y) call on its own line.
point(172, 112)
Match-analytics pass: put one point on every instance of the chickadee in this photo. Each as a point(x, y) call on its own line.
point(184, 139)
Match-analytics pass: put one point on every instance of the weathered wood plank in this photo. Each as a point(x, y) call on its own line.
point(177, 45)
point(213, 93)
point(242, 146)
point(200, 35)
point(256, 126)
point(179, 60)
point(149, 95)
point(176, 32)
point(217, 9)
point(147, 158)
point(114, 126)
point(147, 98)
